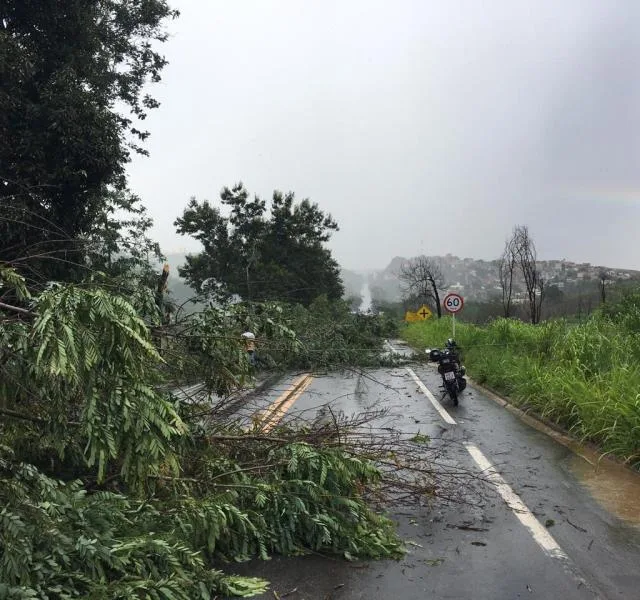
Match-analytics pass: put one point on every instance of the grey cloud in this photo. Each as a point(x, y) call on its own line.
point(424, 127)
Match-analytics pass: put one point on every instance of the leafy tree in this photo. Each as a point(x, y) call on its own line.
point(72, 91)
point(86, 370)
point(118, 243)
point(392, 310)
point(259, 252)
point(354, 301)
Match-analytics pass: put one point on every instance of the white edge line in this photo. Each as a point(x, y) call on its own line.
point(442, 412)
point(539, 533)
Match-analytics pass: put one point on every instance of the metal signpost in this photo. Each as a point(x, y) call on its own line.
point(453, 304)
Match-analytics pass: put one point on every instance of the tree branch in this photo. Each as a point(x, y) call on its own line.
point(17, 415)
point(21, 416)
point(239, 438)
point(22, 311)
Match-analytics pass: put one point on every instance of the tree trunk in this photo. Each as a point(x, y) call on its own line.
point(506, 268)
point(507, 302)
point(436, 296)
point(161, 288)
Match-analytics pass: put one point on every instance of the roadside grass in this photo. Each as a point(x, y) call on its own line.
point(583, 377)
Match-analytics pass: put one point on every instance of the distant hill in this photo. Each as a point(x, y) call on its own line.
point(478, 279)
point(475, 279)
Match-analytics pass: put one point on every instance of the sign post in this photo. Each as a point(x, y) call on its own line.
point(453, 304)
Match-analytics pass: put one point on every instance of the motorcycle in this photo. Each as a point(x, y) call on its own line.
point(450, 369)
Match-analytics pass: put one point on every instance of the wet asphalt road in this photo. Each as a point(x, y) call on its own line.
point(478, 550)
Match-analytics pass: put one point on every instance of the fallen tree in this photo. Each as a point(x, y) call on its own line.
point(113, 488)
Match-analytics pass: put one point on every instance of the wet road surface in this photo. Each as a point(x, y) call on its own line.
point(574, 535)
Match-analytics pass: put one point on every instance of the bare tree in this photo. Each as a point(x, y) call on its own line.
point(525, 255)
point(603, 277)
point(506, 272)
point(422, 277)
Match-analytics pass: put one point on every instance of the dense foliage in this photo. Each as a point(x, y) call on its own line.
point(332, 336)
point(206, 345)
point(325, 335)
point(259, 252)
point(584, 377)
point(113, 488)
point(73, 79)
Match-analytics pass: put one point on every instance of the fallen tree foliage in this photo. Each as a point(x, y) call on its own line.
point(113, 487)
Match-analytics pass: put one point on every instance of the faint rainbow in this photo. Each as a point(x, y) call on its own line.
point(605, 194)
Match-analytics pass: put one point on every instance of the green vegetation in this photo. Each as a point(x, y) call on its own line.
point(112, 488)
point(206, 346)
point(258, 252)
point(585, 377)
point(332, 336)
point(73, 94)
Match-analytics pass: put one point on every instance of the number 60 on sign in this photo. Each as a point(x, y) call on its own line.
point(453, 303)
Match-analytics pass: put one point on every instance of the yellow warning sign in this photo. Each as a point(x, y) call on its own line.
point(422, 314)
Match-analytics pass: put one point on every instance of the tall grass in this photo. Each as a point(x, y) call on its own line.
point(585, 377)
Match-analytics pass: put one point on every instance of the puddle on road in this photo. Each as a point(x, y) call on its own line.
point(614, 486)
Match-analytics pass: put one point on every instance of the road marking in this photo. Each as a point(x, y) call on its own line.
point(539, 533)
point(443, 413)
point(278, 414)
point(266, 415)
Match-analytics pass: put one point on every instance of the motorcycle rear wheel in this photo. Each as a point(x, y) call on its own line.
point(453, 393)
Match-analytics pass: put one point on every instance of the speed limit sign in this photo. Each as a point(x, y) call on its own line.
point(453, 303)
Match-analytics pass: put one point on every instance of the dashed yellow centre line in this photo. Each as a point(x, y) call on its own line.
point(278, 408)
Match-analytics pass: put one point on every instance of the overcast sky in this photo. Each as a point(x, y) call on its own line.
point(422, 126)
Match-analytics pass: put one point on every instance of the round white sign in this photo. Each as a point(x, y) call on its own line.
point(453, 303)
